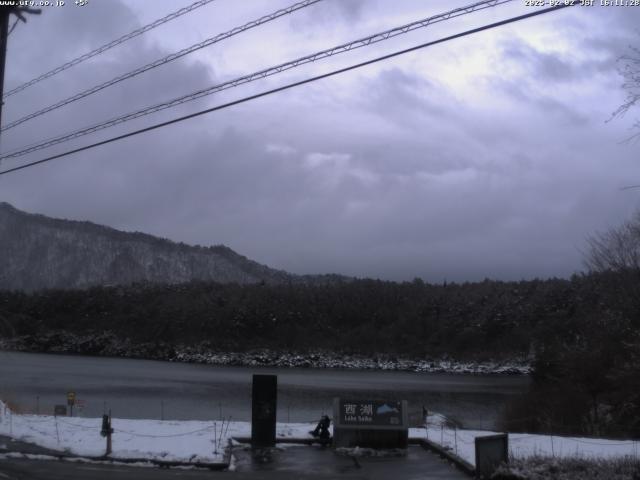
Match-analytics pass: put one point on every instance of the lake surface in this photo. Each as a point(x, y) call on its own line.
point(154, 389)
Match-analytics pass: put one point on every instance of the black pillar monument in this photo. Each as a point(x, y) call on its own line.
point(263, 410)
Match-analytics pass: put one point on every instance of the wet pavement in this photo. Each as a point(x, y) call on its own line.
point(296, 462)
point(280, 463)
point(8, 444)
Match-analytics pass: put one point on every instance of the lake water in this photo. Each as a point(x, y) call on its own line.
point(154, 389)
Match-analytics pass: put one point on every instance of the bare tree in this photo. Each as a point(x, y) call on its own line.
point(629, 69)
point(617, 249)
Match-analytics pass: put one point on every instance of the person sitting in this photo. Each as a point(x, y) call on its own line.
point(322, 429)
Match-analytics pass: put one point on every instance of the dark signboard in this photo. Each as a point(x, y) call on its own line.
point(370, 423)
point(491, 451)
point(59, 410)
point(374, 413)
point(263, 410)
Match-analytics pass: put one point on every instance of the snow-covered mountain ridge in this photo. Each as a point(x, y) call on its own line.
point(38, 252)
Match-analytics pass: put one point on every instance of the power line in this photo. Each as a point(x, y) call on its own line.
point(107, 46)
point(346, 47)
point(163, 61)
point(292, 85)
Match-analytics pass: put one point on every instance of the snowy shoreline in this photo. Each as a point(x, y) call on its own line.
point(332, 360)
point(106, 345)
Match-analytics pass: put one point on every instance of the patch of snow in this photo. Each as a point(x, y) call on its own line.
point(523, 445)
point(232, 463)
point(187, 441)
point(336, 360)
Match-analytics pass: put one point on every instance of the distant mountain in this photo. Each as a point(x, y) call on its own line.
point(38, 252)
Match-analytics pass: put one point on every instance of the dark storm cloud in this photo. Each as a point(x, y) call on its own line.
point(555, 66)
point(76, 33)
point(332, 11)
point(397, 93)
point(71, 32)
point(540, 64)
point(349, 10)
point(525, 91)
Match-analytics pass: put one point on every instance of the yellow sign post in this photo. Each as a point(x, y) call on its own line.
point(71, 400)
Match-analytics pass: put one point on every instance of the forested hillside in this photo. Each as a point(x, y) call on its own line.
point(39, 252)
point(473, 320)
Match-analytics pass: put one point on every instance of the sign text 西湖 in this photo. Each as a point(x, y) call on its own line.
point(358, 412)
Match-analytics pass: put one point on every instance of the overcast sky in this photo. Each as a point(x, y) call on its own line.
point(488, 156)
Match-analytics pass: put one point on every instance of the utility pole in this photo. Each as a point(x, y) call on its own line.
point(5, 14)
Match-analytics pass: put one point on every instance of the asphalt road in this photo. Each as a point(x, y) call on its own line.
point(290, 463)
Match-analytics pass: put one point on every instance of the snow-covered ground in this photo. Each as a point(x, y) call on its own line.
point(188, 441)
point(522, 445)
point(200, 441)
